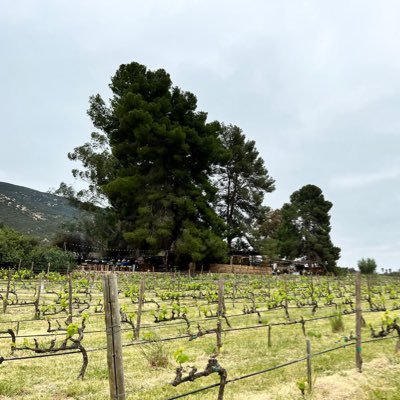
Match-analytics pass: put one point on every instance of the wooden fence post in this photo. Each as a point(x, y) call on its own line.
point(234, 291)
point(5, 300)
point(309, 368)
point(139, 310)
point(37, 301)
point(69, 299)
point(114, 344)
point(269, 336)
point(286, 298)
point(48, 268)
point(221, 302)
point(358, 323)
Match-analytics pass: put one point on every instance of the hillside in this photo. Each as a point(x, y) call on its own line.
point(33, 212)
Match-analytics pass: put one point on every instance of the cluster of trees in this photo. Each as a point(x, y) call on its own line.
point(18, 249)
point(166, 178)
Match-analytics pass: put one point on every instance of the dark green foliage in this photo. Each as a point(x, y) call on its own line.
point(59, 260)
point(155, 172)
point(16, 247)
point(305, 228)
point(262, 233)
point(242, 182)
point(367, 266)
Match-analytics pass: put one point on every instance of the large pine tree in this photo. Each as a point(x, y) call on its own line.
point(242, 182)
point(305, 228)
point(162, 152)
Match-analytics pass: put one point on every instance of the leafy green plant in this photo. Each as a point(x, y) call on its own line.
point(180, 356)
point(302, 386)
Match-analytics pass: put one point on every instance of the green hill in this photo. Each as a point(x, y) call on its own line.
point(32, 212)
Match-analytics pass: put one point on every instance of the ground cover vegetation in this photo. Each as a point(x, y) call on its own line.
point(166, 178)
point(187, 332)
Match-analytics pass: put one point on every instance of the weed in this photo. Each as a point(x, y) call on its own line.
point(154, 351)
point(337, 323)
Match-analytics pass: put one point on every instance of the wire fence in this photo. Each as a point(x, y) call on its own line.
point(189, 336)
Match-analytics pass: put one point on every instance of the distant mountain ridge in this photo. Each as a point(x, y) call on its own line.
point(33, 212)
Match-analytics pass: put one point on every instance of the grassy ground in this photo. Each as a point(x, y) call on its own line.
point(243, 352)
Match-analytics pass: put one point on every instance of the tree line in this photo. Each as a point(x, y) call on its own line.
point(161, 176)
point(22, 251)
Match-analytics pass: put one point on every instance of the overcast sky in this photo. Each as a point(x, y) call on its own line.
point(315, 83)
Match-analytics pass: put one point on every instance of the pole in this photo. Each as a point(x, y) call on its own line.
point(5, 300)
point(139, 310)
point(221, 303)
point(358, 323)
point(309, 367)
point(69, 299)
point(114, 343)
point(269, 336)
point(37, 301)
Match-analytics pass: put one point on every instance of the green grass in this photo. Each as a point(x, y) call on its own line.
point(243, 352)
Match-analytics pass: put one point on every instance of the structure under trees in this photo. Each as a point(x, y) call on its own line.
point(305, 228)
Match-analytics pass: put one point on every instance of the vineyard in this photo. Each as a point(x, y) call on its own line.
point(202, 337)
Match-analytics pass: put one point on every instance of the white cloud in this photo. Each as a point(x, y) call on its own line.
point(357, 180)
point(316, 87)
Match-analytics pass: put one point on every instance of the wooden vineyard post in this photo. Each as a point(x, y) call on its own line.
point(114, 344)
point(139, 310)
point(309, 368)
point(221, 302)
point(269, 336)
point(32, 266)
point(286, 299)
point(221, 311)
point(48, 268)
point(37, 301)
point(358, 323)
point(234, 291)
point(69, 299)
point(5, 300)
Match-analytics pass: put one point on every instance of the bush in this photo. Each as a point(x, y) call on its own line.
point(16, 247)
point(367, 265)
point(58, 259)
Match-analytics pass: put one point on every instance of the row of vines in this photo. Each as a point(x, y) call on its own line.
point(183, 334)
